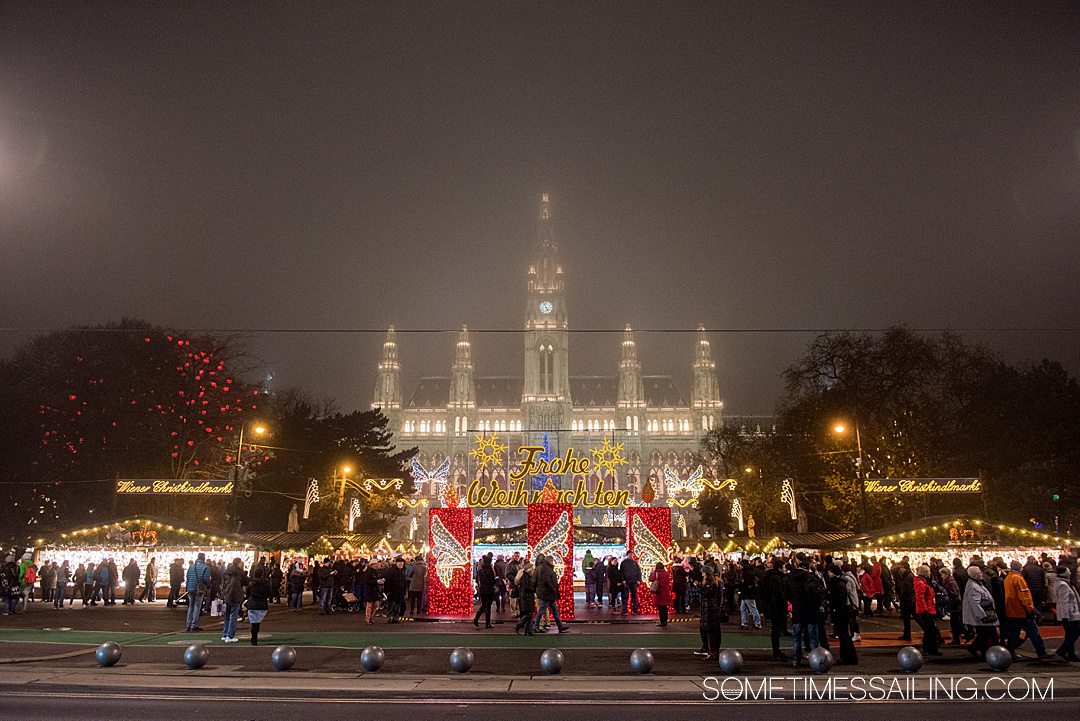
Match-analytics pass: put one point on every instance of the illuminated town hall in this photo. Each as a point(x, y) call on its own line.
point(658, 425)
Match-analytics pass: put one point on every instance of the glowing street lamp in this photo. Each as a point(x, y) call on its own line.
point(840, 429)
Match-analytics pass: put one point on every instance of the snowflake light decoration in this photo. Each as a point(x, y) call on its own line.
point(608, 456)
point(488, 451)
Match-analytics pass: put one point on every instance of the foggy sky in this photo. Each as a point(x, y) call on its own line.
point(344, 165)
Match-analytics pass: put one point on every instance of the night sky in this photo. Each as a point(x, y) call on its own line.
point(347, 165)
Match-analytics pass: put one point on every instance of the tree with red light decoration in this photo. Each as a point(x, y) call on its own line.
point(124, 400)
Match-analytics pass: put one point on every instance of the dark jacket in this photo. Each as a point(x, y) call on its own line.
point(614, 577)
point(131, 575)
point(258, 594)
point(905, 588)
point(232, 585)
point(176, 574)
point(631, 572)
point(394, 585)
point(772, 594)
point(485, 580)
point(839, 601)
point(371, 584)
point(1036, 581)
point(527, 593)
point(547, 583)
point(806, 593)
point(748, 586)
point(712, 606)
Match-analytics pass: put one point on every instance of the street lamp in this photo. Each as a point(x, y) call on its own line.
point(841, 429)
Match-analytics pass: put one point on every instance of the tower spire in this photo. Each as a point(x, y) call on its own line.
point(631, 385)
point(388, 386)
point(706, 393)
point(463, 386)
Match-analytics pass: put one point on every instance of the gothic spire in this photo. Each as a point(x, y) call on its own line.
point(706, 393)
point(388, 386)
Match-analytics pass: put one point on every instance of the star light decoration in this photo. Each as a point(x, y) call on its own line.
point(488, 451)
point(609, 456)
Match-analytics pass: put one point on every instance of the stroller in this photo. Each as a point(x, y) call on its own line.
point(344, 600)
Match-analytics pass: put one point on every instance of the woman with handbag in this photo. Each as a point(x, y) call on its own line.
point(979, 613)
point(660, 585)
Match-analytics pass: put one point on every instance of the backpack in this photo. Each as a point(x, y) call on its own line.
point(31, 575)
point(817, 595)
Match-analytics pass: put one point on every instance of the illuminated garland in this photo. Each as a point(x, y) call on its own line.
point(354, 512)
point(911, 535)
point(737, 512)
point(648, 538)
point(449, 582)
point(550, 531)
point(72, 535)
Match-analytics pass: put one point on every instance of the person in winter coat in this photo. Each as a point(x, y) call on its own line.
point(90, 585)
point(233, 583)
point(485, 586)
point(324, 581)
point(394, 585)
point(599, 580)
point(372, 593)
point(905, 593)
point(62, 578)
point(678, 585)
point(842, 609)
point(131, 582)
point(295, 586)
point(176, 578)
point(416, 585)
point(47, 578)
point(78, 583)
point(774, 604)
point(1033, 574)
point(103, 583)
point(197, 588)
point(258, 602)
point(525, 582)
point(631, 575)
point(1068, 613)
point(976, 612)
point(547, 592)
point(712, 609)
point(926, 611)
point(807, 595)
point(660, 583)
point(615, 582)
point(150, 579)
point(866, 590)
point(276, 578)
point(587, 564)
point(956, 620)
point(1020, 612)
point(748, 593)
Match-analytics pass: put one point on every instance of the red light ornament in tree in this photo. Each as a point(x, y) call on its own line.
point(449, 578)
point(550, 531)
point(648, 538)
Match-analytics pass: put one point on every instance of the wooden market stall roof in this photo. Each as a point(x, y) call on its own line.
point(285, 540)
point(956, 529)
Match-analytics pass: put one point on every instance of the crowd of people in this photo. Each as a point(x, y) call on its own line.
point(978, 603)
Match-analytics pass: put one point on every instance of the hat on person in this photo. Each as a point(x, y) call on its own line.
point(1016, 565)
point(1062, 571)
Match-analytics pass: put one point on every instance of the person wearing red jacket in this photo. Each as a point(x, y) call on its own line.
point(926, 611)
point(660, 585)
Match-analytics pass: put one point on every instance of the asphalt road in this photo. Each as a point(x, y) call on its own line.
point(110, 707)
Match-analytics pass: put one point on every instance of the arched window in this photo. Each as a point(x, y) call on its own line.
point(635, 424)
point(547, 368)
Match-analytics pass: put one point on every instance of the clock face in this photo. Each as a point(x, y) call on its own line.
point(546, 307)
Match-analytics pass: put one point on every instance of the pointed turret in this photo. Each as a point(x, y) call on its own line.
point(388, 386)
point(462, 386)
point(706, 393)
point(631, 387)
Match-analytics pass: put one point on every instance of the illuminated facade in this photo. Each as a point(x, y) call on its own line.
point(659, 426)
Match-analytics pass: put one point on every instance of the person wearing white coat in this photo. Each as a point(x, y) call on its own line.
point(1068, 612)
point(977, 603)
